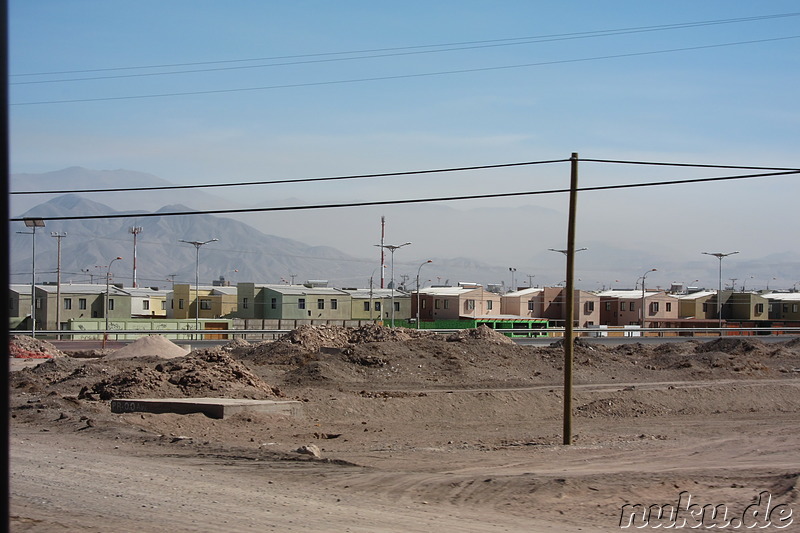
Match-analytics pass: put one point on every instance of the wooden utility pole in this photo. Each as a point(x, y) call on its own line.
point(569, 335)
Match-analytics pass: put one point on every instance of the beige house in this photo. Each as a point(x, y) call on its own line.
point(649, 309)
point(548, 302)
point(784, 305)
point(376, 304)
point(452, 303)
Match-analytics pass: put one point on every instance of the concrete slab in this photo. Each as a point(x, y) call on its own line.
point(211, 407)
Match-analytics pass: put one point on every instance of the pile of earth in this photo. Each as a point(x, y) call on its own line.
point(199, 374)
point(149, 345)
point(29, 347)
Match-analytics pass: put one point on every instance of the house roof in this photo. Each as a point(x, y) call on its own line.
point(696, 295)
point(783, 296)
point(627, 294)
point(450, 291)
point(82, 288)
point(302, 290)
point(525, 292)
point(377, 294)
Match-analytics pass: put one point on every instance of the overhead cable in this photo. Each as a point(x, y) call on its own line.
point(410, 201)
point(383, 52)
point(297, 180)
point(400, 76)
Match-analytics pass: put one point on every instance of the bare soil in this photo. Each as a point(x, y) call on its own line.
point(415, 432)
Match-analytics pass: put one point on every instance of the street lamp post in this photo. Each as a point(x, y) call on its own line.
point(197, 245)
point(33, 223)
point(108, 296)
point(420, 268)
point(392, 248)
point(512, 270)
point(720, 256)
point(644, 276)
point(58, 236)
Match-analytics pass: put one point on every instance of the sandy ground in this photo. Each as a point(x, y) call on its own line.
point(415, 434)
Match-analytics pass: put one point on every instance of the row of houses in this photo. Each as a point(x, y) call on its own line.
point(56, 306)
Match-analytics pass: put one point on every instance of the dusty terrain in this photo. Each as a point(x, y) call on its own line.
point(416, 432)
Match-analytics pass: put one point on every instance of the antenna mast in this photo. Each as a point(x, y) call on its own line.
point(383, 250)
point(135, 230)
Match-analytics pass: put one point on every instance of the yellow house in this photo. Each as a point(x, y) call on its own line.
point(214, 302)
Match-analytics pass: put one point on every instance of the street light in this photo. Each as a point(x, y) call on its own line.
point(33, 223)
point(392, 248)
point(420, 268)
point(108, 295)
point(512, 270)
point(644, 276)
point(720, 256)
point(197, 245)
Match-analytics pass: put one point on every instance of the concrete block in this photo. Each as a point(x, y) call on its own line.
point(211, 407)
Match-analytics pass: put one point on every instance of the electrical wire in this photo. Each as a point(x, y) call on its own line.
point(413, 201)
point(296, 180)
point(389, 52)
point(401, 76)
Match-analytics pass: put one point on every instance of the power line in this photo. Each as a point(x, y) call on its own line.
point(401, 76)
point(415, 200)
point(298, 180)
point(391, 174)
point(466, 44)
point(385, 52)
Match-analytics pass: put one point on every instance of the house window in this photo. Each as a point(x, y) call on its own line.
point(759, 308)
point(422, 303)
point(531, 305)
point(396, 306)
point(334, 303)
point(245, 303)
point(320, 303)
point(669, 307)
point(38, 303)
point(589, 307)
point(785, 307)
point(447, 304)
point(377, 306)
point(111, 304)
point(366, 306)
point(794, 308)
point(273, 303)
point(633, 306)
point(163, 305)
point(146, 305)
point(180, 303)
point(67, 303)
point(470, 305)
point(705, 307)
point(437, 303)
point(301, 303)
point(205, 304)
point(489, 305)
point(622, 306)
point(654, 307)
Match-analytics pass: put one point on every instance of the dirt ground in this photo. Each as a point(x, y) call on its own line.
point(415, 432)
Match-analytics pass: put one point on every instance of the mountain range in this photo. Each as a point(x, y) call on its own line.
point(501, 245)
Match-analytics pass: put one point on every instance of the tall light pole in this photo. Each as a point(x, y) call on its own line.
point(420, 268)
point(33, 223)
point(392, 248)
point(512, 270)
point(58, 236)
point(108, 296)
point(644, 276)
point(135, 231)
point(720, 256)
point(197, 245)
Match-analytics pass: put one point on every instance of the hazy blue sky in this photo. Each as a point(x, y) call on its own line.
point(278, 90)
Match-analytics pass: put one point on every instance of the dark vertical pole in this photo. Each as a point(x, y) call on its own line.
point(569, 341)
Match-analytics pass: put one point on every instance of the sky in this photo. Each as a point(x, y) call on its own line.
point(198, 92)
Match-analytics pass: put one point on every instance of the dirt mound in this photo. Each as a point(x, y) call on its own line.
point(617, 408)
point(29, 347)
point(732, 345)
point(313, 338)
point(483, 333)
point(201, 374)
point(150, 345)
